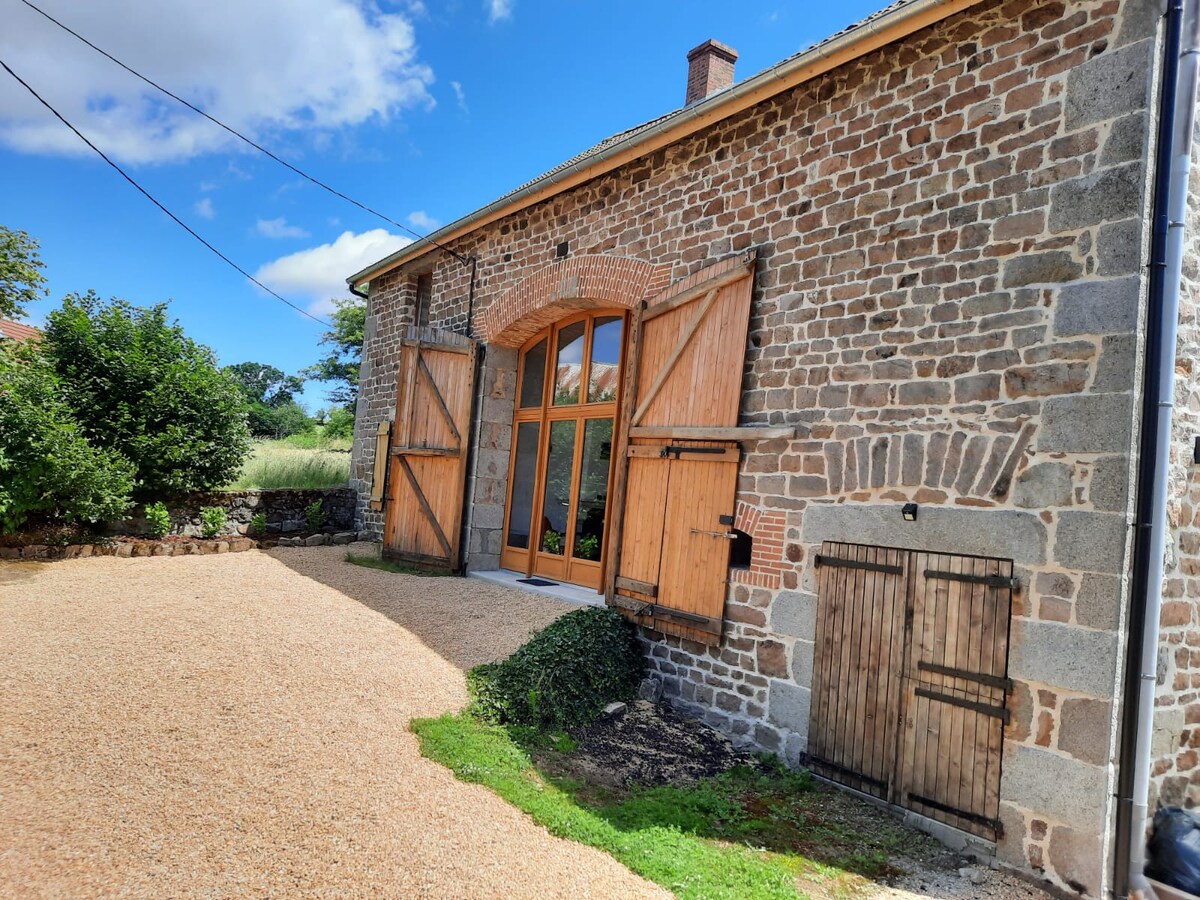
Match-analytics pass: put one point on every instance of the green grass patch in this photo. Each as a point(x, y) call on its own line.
point(317, 438)
point(371, 561)
point(279, 464)
point(749, 833)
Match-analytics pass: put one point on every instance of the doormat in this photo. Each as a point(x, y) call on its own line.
point(537, 582)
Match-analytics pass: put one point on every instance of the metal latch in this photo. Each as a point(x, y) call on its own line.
point(727, 535)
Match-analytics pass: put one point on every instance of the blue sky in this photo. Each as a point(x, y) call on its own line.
point(423, 110)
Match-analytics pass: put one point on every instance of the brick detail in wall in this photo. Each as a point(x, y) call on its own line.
point(580, 282)
point(766, 528)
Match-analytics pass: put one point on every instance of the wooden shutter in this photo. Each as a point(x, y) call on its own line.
point(383, 439)
point(676, 480)
point(428, 455)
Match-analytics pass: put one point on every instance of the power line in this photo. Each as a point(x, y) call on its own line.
point(242, 137)
point(178, 221)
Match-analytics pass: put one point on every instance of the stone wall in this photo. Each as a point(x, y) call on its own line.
point(951, 236)
point(284, 509)
point(1177, 719)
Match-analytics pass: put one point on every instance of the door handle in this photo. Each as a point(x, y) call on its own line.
point(724, 535)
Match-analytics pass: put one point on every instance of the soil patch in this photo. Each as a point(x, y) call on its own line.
point(648, 745)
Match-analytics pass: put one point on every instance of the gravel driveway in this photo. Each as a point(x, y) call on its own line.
point(236, 725)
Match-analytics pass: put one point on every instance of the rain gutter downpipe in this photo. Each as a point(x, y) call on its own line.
point(1171, 173)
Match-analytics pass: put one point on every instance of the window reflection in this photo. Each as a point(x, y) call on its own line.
point(533, 375)
point(569, 366)
point(593, 488)
point(556, 504)
point(606, 357)
point(521, 506)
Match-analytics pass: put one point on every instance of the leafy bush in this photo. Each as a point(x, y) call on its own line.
point(47, 467)
point(140, 386)
point(277, 421)
point(564, 676)
point(158, 519)
point(258, 524)
point(340, 423)
point(212, 521)
point(315, 515)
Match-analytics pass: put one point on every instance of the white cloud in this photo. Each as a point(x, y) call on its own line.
point(320, 273)
point(279, 228)
point(499, 9)
point(460, 95)
point(204, 208)
point(422, 221)
point(311, 65)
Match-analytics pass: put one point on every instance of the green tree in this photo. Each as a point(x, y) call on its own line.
point(47, 467)
point(341, 366)
point(277, 421)
point(139, 385)
point(266, 384)
point(21, 276)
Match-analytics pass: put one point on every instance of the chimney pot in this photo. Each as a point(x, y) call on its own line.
point(710, 69)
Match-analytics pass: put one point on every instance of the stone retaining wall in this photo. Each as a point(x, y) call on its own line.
point(45, 552)
point(284, 509)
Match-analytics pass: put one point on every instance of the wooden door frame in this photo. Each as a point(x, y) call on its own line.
point(546, 414)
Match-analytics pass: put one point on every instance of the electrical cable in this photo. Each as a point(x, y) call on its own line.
point(241, 136)
point(178, 221)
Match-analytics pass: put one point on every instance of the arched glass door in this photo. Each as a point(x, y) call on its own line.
point(556, 521)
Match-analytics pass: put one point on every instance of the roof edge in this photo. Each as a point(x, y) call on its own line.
point(857, 41)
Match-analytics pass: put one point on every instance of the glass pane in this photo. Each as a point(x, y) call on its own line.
point(593, 488)
point(606, 356)
point(556, 505)
point(569, 367)
point(533, 375)
point(521, 507)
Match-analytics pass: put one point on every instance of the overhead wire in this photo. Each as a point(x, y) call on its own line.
point(233, 131)
point(178, 221)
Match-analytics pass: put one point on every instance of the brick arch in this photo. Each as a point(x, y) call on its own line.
point(581, 282)
point(767, 529)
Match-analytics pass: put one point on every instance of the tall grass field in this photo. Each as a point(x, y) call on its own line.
point(282, 464)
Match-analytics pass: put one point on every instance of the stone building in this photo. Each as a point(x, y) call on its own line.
point(835, 379)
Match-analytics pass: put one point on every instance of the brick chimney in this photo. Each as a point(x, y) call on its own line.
point(710, 69)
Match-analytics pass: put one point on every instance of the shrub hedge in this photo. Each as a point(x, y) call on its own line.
point(564, 676)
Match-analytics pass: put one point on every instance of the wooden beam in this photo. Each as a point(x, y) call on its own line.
point(440, 348)
point(633, 353)
point(684, 339)
point(704, 454)
point(637, 587)
point(427, 509)
point(744, 433)
point(426, 451)
point(697, 291)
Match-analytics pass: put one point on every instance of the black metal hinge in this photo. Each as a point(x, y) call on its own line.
point(997, 581)
point(993, 824)
point(987, 709)
point(840, 562)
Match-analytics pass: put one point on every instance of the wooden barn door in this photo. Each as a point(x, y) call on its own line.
point(428, 456)
point(910, 679)
point(676, 481)
point(956, 687)
point(858, 666)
